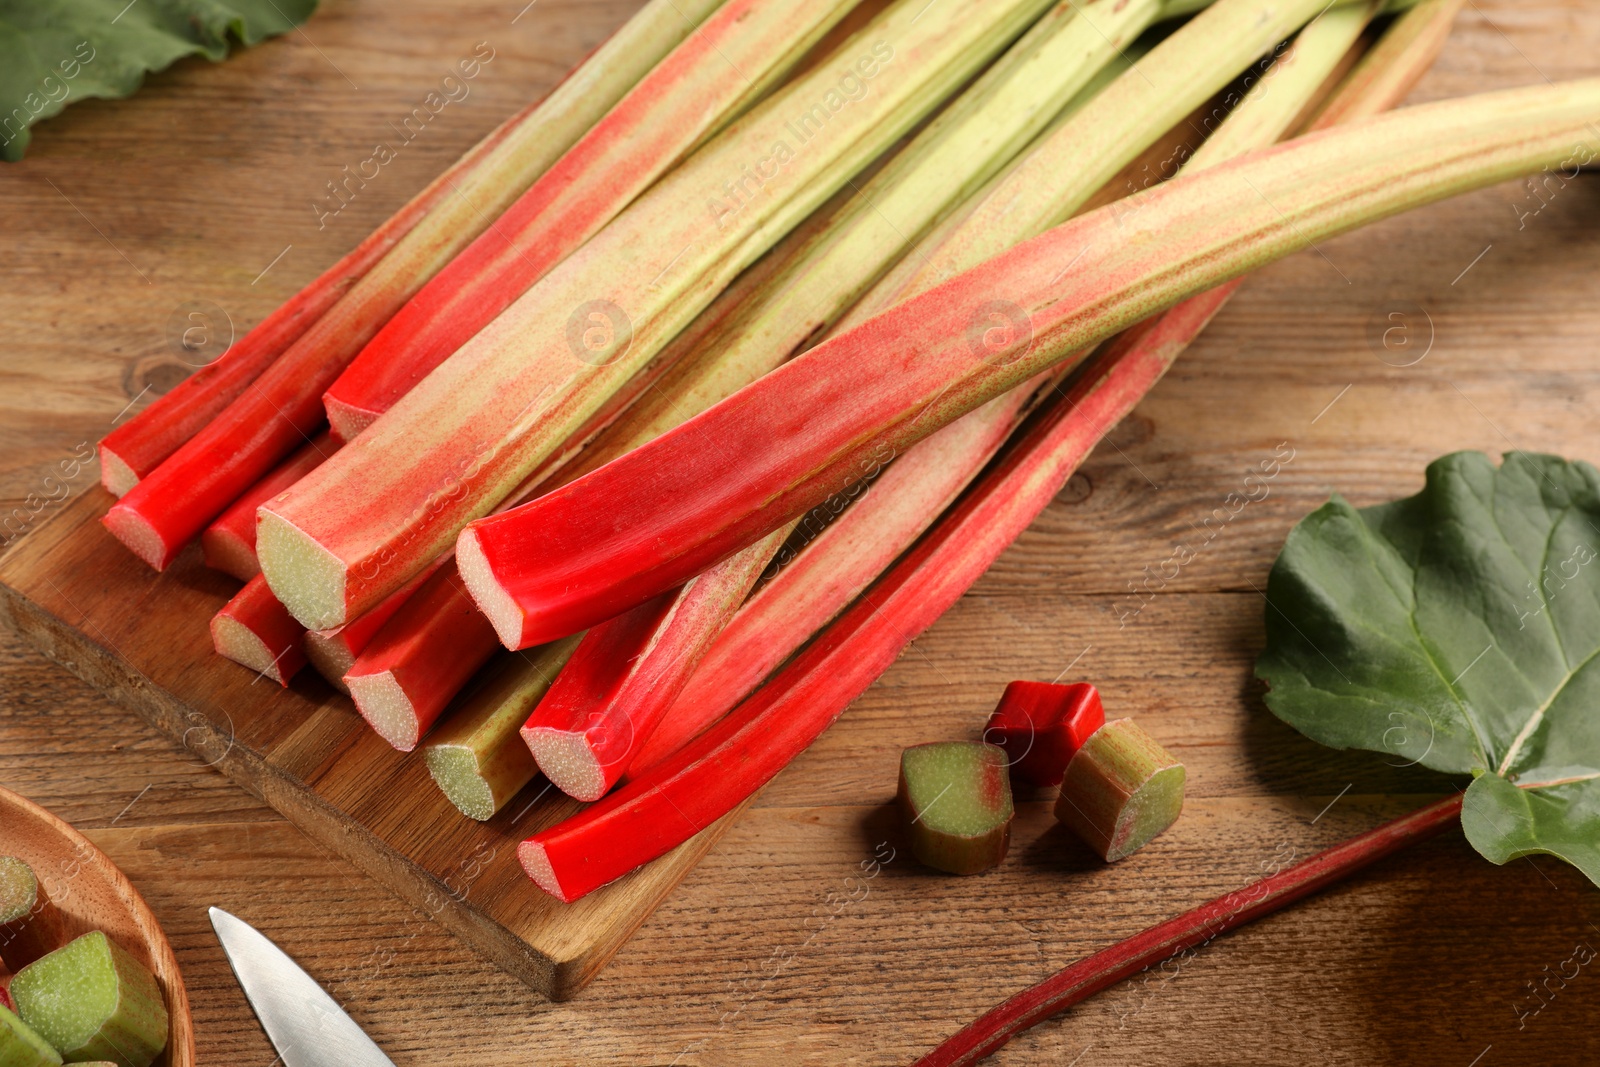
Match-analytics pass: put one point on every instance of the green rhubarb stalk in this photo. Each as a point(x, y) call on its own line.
point(93, 1001)
point(457, 444)
point(477, 758)
point(956, 799)
point(1053, 66)
point(1121, 790)
point(279, 410)
point(30, 924)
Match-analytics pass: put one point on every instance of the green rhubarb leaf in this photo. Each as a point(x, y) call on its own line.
point(64, 50)
point(1458, 629)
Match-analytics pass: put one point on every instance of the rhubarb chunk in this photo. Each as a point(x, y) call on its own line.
point(30, 926)
point(1120, 790)
point(92, 1000)
point(20, 1046)
point(1041, 726)
point(957, 798)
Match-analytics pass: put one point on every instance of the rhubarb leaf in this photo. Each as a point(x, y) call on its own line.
point(54, 53)
point(1458, 629)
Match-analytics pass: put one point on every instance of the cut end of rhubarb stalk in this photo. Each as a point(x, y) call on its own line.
point(129, 527)
point(234, 640)
point(304, 576)
point(1121, 790)
point(956, 796)
point(20, 1045)
point(224, 551)
point(115, 474)
point(456, 772)
point(567, 760)
point(497, 605)
point(1042, 726)
point(19, 889)
point(382, 701)
point(536, 862)
point(91, 1000)
point(347, 419)
point(330, 656)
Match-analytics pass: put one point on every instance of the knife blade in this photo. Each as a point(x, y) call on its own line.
point(305, 1024)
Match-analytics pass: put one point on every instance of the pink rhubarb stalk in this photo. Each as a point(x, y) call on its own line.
point(140, 445)
point(626, 674)
point(403, 681)
point(282, 406)
point(731, 59)
point(334, 652)
point(778, 447)
point(229, 544)
point(1198, 926)
point(457, 444)
point(256, 631)
point(686, 792)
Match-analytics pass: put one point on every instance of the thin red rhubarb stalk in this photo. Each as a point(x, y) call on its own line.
point(685, 793)
point(420, 659)
point(1195, 927)
point(140, 445)
point(626, 674)
point(229, 544)
point(333, 652)
point(256, 631)
point(786, 442)
point(279, 409)
point(688, 95)
point(455, 446)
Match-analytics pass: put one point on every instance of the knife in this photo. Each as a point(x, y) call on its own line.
point(305, 1025)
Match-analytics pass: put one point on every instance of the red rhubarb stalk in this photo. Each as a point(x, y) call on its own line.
point(281, 407)
point(420, 659)
point(229, 544)
point(256, 631)
point(1198, 926)
point(333, 652)
point(686, 792)
point(626, 674)
point(455, 446)
point(140, 445)
point(786, 442)
point(688, 95)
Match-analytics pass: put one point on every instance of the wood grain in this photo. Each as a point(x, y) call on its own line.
point(208, 174)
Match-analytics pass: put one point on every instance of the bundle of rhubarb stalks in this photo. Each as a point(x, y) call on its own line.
point(641, 442)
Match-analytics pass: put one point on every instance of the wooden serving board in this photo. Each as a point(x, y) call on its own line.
point(143, 639)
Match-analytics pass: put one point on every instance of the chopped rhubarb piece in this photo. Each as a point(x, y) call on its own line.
point(229, 543)
point(420, 659)
point(30, 925)
point(1041, 726)
point(20, 1046)
point(1120, 790)
point(956, 797)
point(333, 652)
point(477, 757)
point(92, 1000)
point(256, 631)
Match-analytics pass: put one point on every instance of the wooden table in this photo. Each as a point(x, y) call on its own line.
point(127, 211)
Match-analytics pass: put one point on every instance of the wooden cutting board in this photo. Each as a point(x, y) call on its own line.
point(91, 606)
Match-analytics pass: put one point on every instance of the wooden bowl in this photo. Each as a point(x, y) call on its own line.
point(91, 894)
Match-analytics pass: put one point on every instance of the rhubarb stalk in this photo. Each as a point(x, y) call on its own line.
point(459, 442)
point(784, 443)
point(282, 406)
point(229, 544)
point(333, 652)
point(732, 59)
point(1198, 926)
point(476, 758)
point(255, 631)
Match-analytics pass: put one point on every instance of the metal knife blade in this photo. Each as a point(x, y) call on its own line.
point(305, 1025)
